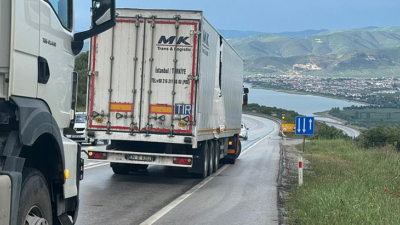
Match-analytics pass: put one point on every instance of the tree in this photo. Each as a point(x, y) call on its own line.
point(81, 67)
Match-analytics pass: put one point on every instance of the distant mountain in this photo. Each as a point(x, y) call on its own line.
point(367, 50)
point(300, 34)
point(235, 34)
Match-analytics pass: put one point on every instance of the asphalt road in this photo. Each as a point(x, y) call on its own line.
point(244, 193)
point(347, 130)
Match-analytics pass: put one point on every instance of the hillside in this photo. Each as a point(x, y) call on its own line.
point(360, 52)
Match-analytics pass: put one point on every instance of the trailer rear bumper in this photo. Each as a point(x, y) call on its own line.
point(115, 156)
point(143, 137)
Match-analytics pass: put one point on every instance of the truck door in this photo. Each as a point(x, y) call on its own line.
point(55, 59)
point(116, 66)
point(25, 47)
point(169, 72)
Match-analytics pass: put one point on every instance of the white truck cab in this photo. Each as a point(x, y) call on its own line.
point(40, 169)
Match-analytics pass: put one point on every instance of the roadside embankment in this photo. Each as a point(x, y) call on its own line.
point(343, 184)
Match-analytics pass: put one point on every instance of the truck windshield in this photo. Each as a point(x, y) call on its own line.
point(63, 9)
point(80, 118)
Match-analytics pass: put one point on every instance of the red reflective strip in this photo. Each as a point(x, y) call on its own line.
point(92, 80)
point(300, 164)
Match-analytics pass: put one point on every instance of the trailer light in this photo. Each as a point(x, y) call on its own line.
point(230, 143)
point(183, 161)
point(97, 155)
point(231, 151)
point(66, 174)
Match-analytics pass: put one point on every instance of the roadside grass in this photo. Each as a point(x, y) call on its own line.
point(347, 185)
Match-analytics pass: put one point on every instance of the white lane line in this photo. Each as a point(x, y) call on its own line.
point(251, 146)
point(158, 215)
point(154, 218)
point(98, 165)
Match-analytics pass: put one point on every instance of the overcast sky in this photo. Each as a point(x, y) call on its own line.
point(271, 15)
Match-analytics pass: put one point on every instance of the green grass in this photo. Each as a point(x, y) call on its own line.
point(345, 185)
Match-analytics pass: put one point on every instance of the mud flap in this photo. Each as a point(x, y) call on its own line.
point(198, 159)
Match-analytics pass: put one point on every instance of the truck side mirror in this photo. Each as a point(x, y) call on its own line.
point(245, 99)
point(103, 18)
point(245, 96)
point(101, 12)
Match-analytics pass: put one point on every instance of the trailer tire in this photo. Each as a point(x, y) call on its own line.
point(216, 156)
point(35, 203)
point(120, 169)
point(238, 151)
point(206, 161)
point(211, 158)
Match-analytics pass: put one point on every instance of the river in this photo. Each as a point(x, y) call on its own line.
point(303, 104)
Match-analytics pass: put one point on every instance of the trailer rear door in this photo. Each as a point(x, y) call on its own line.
point(168, 87)
point(114, 83)
point(142, 77)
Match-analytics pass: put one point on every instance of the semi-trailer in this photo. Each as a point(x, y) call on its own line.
point(167, 89)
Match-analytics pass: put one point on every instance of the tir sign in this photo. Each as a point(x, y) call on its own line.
point(183, 109)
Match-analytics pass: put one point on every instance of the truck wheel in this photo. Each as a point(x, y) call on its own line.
point(217, 155)
point(120, 169)
point(211, 163)
point(206, 161)
point(239, 151)
point(34, 204)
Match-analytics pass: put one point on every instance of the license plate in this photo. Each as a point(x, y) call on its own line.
point(77, 136)
point(143, 158)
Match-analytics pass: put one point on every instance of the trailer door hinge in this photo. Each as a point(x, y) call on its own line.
point(195, 32)
point(190, 77)
point(96, 73)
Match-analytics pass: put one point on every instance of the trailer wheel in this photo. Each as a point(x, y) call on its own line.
point(211, 158)
point(35, 204)
point(120, 169)
point(217, 155)
point(206, 161)
point(239, 151)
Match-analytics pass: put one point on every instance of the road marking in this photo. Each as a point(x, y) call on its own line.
point(158, 215)
point(154, 218)
point(98, 165)
point(251, 146)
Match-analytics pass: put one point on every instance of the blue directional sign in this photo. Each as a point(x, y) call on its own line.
point(304, 125)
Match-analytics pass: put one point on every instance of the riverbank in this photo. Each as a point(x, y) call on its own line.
point(306, 93)
point(342, 121)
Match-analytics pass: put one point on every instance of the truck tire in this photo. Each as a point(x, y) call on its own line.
point(239, 151)
point(211, 157)
point(206, 161)
point(216, 156)
point(34, 204)
point(120, 169)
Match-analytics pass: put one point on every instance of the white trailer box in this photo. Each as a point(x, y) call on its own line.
point(164, 76)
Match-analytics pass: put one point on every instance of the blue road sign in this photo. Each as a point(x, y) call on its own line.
point(304, 125)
